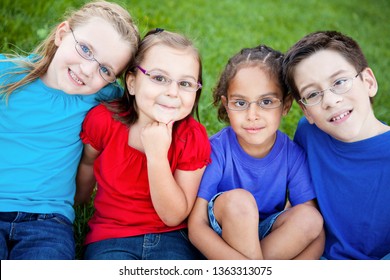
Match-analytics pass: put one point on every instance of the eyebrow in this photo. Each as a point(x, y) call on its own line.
point(331, 77)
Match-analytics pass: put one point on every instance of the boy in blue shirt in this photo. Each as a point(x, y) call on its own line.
point(348, 148)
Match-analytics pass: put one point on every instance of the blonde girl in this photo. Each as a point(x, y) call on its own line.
point(44, 98)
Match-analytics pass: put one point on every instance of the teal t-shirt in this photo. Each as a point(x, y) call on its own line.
point(40, 145)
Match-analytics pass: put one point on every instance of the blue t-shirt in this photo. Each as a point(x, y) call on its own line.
point(283, 172)
point(40, 145)
point(352, 183)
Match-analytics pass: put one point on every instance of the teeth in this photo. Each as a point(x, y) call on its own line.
point(340, 116)
point(74, 77)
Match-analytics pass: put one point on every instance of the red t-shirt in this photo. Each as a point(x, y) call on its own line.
point(123, 206)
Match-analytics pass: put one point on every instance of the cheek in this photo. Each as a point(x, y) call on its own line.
point(309, 115)
point(235, 118)
point(188, 101)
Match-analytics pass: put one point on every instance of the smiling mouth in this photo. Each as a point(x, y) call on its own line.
point(168, 108)
point(74, 77)
point(341, 116)
point(253, 129)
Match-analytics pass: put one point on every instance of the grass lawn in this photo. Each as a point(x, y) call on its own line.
point(220, 29)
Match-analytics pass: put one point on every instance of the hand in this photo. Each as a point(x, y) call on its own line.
point(156, 139)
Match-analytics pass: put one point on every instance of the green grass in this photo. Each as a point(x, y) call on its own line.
point(221, 28)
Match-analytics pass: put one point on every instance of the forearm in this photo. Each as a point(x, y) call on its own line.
point(85, 183)
point(211, 245)
point(208, 242)
point(169, 199)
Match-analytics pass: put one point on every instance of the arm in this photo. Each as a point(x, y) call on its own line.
point(208, 242)
point(85, 180)
point(173, 196)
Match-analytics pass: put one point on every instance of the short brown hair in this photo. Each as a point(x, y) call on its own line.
point(314, 42)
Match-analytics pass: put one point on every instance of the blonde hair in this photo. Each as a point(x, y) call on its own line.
point(36, 67)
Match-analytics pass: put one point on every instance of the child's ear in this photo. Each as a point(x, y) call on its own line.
point(224, 100)
point(62, 29)
point(287, 103)
point(130, 82)
point(370, 80)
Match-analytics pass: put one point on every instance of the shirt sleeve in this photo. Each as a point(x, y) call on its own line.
point(211, 178)
point(299, 179)
point(196, 146)
point(95, 127)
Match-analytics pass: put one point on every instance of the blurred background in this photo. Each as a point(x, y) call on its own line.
point(221, 28)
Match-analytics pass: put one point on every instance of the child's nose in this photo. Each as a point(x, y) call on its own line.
point(173, 89)
point(253, 111)
point(89, 67)
point(329, 99)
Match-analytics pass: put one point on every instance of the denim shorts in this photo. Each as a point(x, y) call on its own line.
point(31, 236)
point(265, 226)
point(173, 245)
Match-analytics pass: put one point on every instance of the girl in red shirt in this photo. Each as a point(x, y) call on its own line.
point(147, 154)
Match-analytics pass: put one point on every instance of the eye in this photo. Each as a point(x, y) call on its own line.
point(239, 103)
point(105, 70)
point(86, 51)
point(159, 78)
point(186, 84)
point(312, 95)
point(340, 82)
point(266, 102)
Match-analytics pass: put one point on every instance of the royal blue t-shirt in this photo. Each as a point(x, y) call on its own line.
point(284, 171)
point(352, 183)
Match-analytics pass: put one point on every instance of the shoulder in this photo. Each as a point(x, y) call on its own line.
point(191, 144)
point(305, 132)
point(10, 64)
point(109, 92)
point(222, 136)
point(98, 116)
point(303, 124)
point(98, 126)
point(283, 142)
point(189, 127)
point(100, 110)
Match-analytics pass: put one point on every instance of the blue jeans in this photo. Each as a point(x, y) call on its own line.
point(29, 236)
point(387, 257)
point(173, 245)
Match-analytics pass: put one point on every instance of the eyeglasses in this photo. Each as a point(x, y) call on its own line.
point(264, 103)
point(340, 86)
point(188, 85)
point(106, 72)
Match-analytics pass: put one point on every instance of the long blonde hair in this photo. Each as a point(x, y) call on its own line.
point(36, 67)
